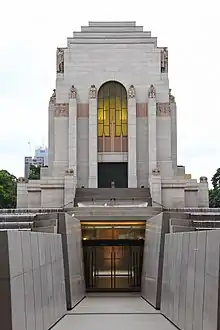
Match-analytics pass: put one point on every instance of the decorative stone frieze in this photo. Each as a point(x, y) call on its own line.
point(61, 110)
point(73, 92)
point(163, 109)
point(60, 60)
point(93, 92)
point(152, 92)
point(131, 92)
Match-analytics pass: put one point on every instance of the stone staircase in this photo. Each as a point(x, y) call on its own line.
point(194, 220)
point(114, 213)
point(118, 195)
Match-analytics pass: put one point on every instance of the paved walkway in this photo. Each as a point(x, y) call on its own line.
point(113, 312)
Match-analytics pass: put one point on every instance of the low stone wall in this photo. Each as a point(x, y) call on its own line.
point(32, 288)
point(190, 288)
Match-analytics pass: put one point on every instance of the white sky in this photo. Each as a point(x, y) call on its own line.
point(32, 30)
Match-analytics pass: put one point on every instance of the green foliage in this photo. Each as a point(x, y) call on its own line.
point(8, 190)
point(214, 194)
point(34, 172)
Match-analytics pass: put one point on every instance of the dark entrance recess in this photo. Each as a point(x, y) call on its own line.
point(113, 265)
point(108, 172)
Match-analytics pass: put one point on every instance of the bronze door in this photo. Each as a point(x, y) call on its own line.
point(113, 267)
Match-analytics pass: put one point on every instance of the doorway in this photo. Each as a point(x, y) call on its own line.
point(112, 172)
point(113, 265)
point(113, 255)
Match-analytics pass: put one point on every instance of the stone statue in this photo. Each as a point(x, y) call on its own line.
point(69, 171)
point(73, 92)
point(156, 171)
point(21, 179)
point(203, 179)
point(93, 92)
point(131, 92)
point(60, 60)
point(152, 92)
point(53, 96)
point(164, 60)
point(171, 97)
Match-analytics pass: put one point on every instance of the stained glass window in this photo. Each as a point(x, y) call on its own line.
point(112, 110)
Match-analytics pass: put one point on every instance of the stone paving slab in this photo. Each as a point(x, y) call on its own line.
point(114, 321)
point(114, 305)
point(114, 312)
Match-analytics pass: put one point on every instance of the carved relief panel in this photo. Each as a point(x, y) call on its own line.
point(163, 109)
point(61, 110)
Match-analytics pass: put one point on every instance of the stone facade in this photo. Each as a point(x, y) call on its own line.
point(121, 52)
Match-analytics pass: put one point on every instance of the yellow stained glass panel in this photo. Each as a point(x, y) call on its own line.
point(107, 130)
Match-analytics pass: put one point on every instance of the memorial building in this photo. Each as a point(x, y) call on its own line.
point(113, 124)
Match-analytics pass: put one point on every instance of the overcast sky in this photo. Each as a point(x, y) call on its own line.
point(32, 30)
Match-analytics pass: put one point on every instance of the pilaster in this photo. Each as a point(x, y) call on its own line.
point(173, 131)
point(152, 129)
point(93, 158)
point(132, 139)
point(51, 110)
point(73, 131)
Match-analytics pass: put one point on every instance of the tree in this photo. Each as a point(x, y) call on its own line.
point(34, 172)
point(214, 194)
point(8, 190)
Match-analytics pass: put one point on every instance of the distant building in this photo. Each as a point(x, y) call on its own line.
point(40, 159)
point(42, 152)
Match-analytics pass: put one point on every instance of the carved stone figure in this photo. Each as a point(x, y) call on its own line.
point(21, 179)
point(164, 60)
point(171, 97)
point(156, 171)
point(152, 92)
point(73, 92)
point(69, 171)
point(203, 179)
point(93, 92)
point(60, 60)
point(131, 92)
point(53, 96)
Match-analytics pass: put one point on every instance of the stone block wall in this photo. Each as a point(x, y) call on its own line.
point(32, 288)
point(190, 288)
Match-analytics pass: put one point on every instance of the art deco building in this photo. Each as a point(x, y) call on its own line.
point(112, 122)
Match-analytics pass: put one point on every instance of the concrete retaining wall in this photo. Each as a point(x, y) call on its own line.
point(70, 229)
point(32, 288)
point(190, 288)
point(153, 259)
